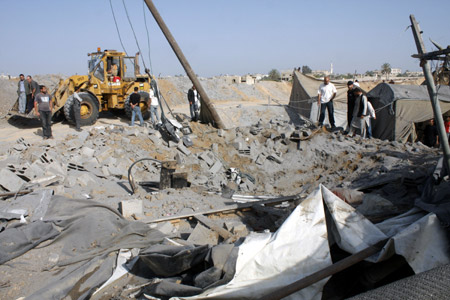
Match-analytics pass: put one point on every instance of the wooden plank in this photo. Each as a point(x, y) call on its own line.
point(233, 207)
point(213, 226)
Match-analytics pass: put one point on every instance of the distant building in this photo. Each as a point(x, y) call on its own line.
point(286, 75)
point(396, 71)
point(248, 79)
point(232, 79)
point(414, 73)
point(321, 72)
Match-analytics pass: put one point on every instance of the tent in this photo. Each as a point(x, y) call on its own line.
point(303, 99)
point(398, 107)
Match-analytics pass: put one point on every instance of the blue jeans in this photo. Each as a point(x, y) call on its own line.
point(136, 110)
point(369, 128)
point(22, 102)
point(330, 107)
point(154, 111)
point(194, 111)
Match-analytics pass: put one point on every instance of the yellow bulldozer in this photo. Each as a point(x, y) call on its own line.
point(111, 79)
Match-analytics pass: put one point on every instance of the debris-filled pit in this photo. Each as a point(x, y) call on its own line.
point(245, 211)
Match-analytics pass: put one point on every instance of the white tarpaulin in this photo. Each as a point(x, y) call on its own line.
point(301, 246)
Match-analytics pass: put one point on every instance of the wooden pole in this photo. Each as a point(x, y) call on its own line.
point(187, 67)
point(432, 92)
point(324, 273)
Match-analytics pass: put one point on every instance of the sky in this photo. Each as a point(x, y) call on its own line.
point(220, 37)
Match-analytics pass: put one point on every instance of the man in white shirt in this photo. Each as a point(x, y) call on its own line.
point(154, 107)
point(326, 94)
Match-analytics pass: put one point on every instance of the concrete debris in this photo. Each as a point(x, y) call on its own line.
point(130, 208)
point(207, 157)
point(275, 158)
point(203, 236)
point(183, 149)
point(10, 181)
point(216, 167)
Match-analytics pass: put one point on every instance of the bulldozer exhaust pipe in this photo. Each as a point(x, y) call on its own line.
point(187, 67)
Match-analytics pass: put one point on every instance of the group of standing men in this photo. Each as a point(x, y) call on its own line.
point(359, 109)
point(27, 89)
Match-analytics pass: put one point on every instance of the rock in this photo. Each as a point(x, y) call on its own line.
point(275, 158)
point(87, 152)
point(203, 236)
point(10, 181)
point(207, 157)
point(216, 167)
point(183, 149)
point(132, 207)
point(260, 159)
point(86, 179)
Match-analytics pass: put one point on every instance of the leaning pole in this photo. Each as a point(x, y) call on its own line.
point(187, 67)
point(417, 33)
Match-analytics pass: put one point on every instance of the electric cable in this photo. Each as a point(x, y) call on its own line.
point(117, 27)
point(148, 37)
point(134, 34)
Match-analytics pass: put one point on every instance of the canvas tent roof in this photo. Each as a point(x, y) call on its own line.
point(398, 107)
point(304, 98)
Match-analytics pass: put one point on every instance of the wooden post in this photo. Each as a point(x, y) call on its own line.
point(432, 92)
point(191, 74)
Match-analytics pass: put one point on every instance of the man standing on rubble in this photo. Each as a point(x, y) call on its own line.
point(326, 94)
point(34, 90)
point(350, 105)
point(193, 103)
point(43, 109)
point(154, 103)
point(363, 111)
point(23, 89)
point(135, 99)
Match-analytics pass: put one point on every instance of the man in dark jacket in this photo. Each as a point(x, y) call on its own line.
point(193, 103)
point(135, 99)
point(350, 104)
point(431, 137)
point(34, 90)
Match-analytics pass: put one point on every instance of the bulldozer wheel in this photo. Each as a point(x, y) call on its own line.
point(88, 110)
point(143, 104)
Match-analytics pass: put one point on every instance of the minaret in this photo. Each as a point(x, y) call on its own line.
point(331, 68)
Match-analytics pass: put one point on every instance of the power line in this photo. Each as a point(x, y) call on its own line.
point(117, 27)
point(134, 34)
point(148, 37)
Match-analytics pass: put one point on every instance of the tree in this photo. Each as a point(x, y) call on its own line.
point(274, 75)
point(370, 73)
point(306, 70)
point(386, 69)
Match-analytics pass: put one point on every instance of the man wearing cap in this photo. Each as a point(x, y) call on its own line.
point(350, 104)
point(326, 94)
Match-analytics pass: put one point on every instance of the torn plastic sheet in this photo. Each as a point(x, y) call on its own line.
point(268, 262)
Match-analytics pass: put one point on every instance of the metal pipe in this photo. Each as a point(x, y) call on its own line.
point(432, 92)
point(191, 74)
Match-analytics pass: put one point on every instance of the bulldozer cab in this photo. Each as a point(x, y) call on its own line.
point(113, 67)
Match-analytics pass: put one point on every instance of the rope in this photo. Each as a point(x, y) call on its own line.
point(117, 27)
point(148, 37)
point(134, 34)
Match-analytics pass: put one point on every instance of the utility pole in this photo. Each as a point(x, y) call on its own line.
point(431, 91)
point(191, 74)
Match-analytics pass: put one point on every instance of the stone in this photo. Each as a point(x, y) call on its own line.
point(215, 148)
point(83, 135)
point(155, 140)
point(104, 154)
point(216, 167)
point(220, 132)
point(203, 236)
point(57, 169)
point(115, 171)
point(260, 159)
point(172, 144)
point(183, 149)
point(180, 159)
point(105, 171)
point(10, 181)
point(275, 158)
point(87, 152)
point(187, 141)
point(132, 207)
point(71, 181)
point(86, 179)
point(207, 158)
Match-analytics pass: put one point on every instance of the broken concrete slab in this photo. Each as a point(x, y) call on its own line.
point(134, 207)
point(207, 157)
point(203, 236)
point(87, 152)
point(216, 167)
point(275, 158)
point(86, 179)
point(10, 181)
point(260, 159)
point(183, 149)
